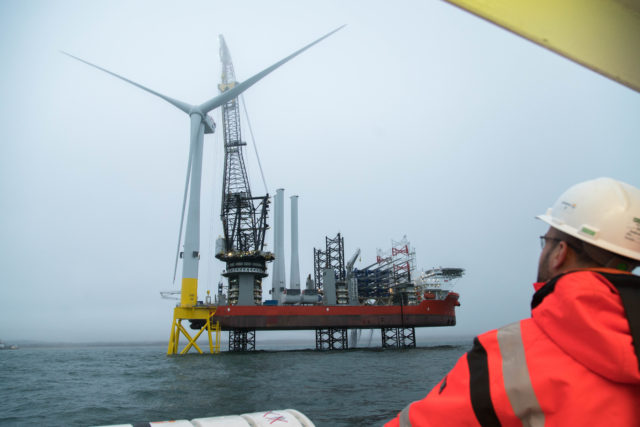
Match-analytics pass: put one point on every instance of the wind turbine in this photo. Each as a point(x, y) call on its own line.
point(201, 123)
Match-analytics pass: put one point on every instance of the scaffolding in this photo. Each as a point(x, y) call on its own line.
point(335, 255)
point(319, 263)
point(403, 258)
point(331, 258)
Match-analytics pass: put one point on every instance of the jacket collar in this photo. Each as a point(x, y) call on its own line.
point(582, 312)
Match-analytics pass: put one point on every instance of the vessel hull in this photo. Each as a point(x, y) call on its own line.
point(427, 313)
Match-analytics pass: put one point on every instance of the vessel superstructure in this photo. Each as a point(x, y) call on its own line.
point(436, 283)
point(387, 299)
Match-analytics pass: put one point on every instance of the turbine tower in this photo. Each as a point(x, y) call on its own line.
point(244, 217)
point(200, 123)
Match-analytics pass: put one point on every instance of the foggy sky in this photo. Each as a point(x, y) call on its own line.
point(417, 119)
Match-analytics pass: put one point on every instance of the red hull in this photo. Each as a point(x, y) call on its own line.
point(263, 317)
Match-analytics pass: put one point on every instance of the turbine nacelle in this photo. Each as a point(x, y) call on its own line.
point(207, 120)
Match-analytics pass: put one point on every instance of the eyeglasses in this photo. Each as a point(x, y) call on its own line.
point(543, 240)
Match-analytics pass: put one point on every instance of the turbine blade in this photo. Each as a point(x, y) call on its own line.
point(184, 205)
point(178, 104)
point(238, 89)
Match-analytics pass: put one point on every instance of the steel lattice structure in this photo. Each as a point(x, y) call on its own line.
point(319, 262)
point(331, 257)
point(244, 217)
point(335, 255)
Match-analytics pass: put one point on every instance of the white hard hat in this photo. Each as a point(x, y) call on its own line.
point(603, 212)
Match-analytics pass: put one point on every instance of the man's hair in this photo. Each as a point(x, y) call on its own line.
point(593, 256)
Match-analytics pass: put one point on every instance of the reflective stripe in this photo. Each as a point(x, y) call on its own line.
point(480, 387)
point(629, 290)
point(517, 382)
point(404, 417)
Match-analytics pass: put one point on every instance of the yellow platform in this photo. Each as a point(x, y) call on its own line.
point(187, 313)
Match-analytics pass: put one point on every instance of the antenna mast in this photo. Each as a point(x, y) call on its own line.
point(244, 217)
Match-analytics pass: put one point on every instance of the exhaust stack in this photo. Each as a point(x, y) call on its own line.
point(278, 281)
point(295, 264)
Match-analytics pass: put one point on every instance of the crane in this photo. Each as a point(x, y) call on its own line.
point(244, 217)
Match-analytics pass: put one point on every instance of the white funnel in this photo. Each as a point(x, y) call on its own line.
point(295, 264)
point(278, 280)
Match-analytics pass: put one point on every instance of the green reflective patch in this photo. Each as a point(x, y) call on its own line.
point(636, 220)
point(622, 266)
point(585, 230)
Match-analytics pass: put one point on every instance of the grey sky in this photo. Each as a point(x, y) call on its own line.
point(416, 119)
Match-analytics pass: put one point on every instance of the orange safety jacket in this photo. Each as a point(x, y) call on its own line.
point(576, 361)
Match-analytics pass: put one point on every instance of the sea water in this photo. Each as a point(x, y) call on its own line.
point(113, 384)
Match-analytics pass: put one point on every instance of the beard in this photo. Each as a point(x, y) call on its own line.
point(543, 267)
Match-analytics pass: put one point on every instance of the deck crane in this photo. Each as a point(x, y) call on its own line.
point(244, 217)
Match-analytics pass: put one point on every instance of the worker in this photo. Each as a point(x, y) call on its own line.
point(576, 360)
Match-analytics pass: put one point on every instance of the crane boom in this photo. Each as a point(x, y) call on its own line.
point(243, 216)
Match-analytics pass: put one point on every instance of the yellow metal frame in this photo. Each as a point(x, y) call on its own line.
point(186, 313)
point(602, 35)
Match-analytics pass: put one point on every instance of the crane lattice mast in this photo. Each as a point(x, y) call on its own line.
point(244, 217)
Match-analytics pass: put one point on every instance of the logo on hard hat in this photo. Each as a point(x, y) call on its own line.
point(567, 205)
point(633, 231)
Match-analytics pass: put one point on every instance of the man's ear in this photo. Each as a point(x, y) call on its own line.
point(558, 258)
